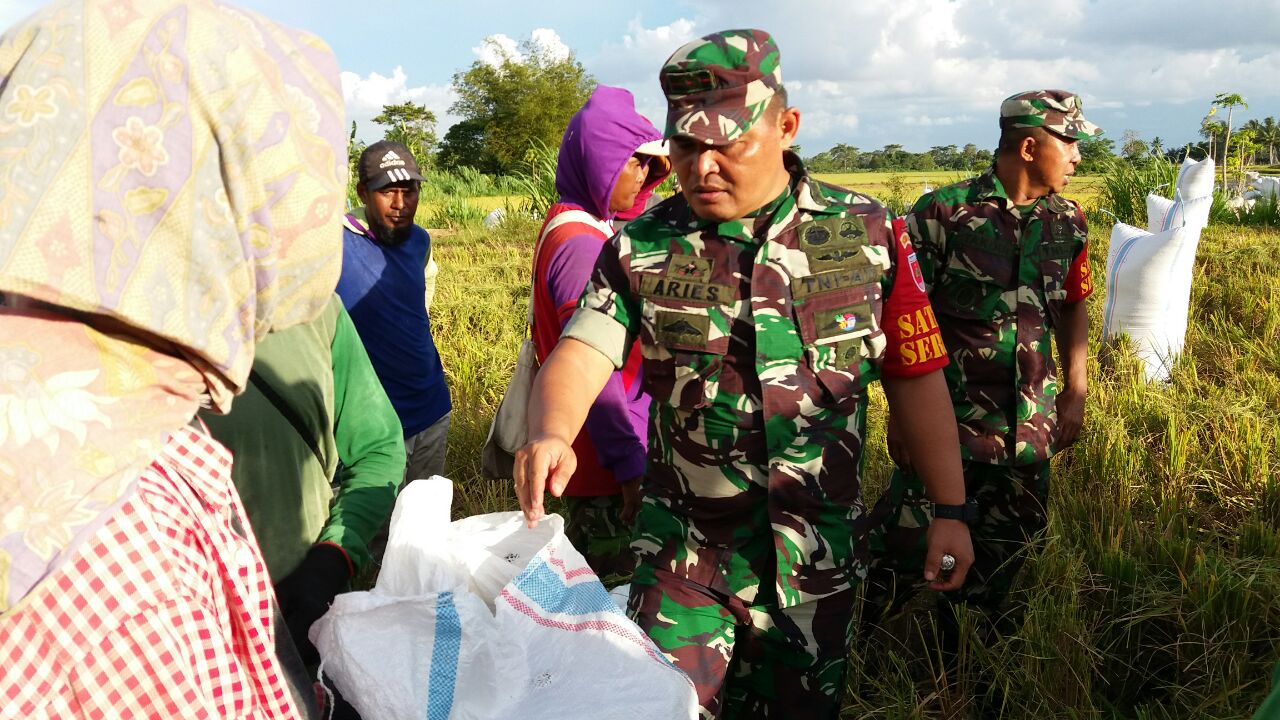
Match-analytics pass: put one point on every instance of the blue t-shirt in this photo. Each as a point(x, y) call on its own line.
point(383, 290)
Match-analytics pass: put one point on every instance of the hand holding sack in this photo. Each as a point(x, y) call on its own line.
point(307, 592)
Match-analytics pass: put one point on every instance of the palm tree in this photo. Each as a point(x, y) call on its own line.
point(1210, 130)
point(1229, 101)
point(1157, 146)
point(1268, 134)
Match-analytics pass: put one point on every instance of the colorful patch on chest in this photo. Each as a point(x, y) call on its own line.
point(843, 320)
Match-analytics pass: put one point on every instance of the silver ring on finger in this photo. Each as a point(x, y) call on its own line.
point(948, 562)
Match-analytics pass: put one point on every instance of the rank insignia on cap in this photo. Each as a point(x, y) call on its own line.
point(689, 81)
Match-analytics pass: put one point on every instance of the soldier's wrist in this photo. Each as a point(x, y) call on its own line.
point(967, 512)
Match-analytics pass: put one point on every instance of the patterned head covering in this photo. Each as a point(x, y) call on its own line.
point(718, 86)
point(1058, 111)
point(170, 190)
point(174, 166)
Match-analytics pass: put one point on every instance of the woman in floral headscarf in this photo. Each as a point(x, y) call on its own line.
point(169, 193)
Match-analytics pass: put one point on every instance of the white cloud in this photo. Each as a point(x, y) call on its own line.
point(550, 42)
point(820, 122)
point(494, 49)
point(927, 72)
point(634, 59)
point(663, 38)
point(365, 97)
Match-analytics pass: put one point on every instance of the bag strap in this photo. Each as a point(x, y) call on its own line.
point(564, 218)
point(286, 410)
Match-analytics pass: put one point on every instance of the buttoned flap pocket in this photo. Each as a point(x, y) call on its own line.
point(1058, 249)
point(840, 330)
point(979, 270)
point(684, 351)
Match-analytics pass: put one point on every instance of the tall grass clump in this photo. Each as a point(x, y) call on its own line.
point(1125, 186)
point(535, 185)
point(454, 212)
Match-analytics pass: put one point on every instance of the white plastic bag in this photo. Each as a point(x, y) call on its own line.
point(1165, 214)
point(1149, 292)
point(493, 620)
point(1195, 179)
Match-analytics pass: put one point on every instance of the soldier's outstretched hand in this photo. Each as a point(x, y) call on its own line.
point(948, 537)
point(545, 464)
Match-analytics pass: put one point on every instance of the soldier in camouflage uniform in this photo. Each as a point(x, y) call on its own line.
point(765, 302)
point(1004, 259)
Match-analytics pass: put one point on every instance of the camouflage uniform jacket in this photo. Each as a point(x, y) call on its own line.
point(759, 338)
point(998, 278)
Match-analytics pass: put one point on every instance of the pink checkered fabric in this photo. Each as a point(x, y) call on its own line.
point(164, 613)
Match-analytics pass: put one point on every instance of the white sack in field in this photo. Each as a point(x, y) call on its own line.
point(1149, 292)
point(1195, 179)
point(1263, 186)
point(491, 620)
point(1165, 214)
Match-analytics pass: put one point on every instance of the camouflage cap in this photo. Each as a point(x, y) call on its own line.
point(1058, 111)
point(719, 85)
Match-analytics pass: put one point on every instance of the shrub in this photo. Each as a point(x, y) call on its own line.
point(1125, 186)
point(454, 212)
point(536, 183)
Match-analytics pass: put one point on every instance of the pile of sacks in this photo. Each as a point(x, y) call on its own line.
point(484, 618)
point(1260, 187)
point(1149, 271)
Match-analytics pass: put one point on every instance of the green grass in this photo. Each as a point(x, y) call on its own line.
point(1156, 592)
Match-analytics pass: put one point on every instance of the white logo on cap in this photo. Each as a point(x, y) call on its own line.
point(391, 158)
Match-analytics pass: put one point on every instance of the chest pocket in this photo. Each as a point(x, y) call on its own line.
point(1058, 248)
point(979, 270)
point(840, 333)
point(684, 334)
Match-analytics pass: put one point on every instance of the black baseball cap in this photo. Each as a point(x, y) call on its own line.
point(386, 162)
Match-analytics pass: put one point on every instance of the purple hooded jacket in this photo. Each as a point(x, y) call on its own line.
point(597, 144)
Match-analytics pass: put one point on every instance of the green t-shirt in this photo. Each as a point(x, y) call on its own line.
point(321, 371)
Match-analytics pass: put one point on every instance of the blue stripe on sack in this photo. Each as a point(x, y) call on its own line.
point(1112, 279)
point(444, 659)
point(1173, 211)
point(545, 587)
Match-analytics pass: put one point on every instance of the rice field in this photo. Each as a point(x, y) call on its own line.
point(1155, 594)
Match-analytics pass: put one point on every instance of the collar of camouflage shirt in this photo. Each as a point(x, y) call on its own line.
point(989, 186)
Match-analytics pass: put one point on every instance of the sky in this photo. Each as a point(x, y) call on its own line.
point(866, 73)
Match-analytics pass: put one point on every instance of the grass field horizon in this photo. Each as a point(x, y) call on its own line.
point(887, 186)
point(1155, 594)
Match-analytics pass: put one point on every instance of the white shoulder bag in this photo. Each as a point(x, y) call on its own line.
point(509, 430)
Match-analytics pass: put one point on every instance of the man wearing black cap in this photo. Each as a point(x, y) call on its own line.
point(1004, 258)
point(382, 286)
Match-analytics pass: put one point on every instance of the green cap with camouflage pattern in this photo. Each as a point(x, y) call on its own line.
point(718, 86)
point(1058, 111)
